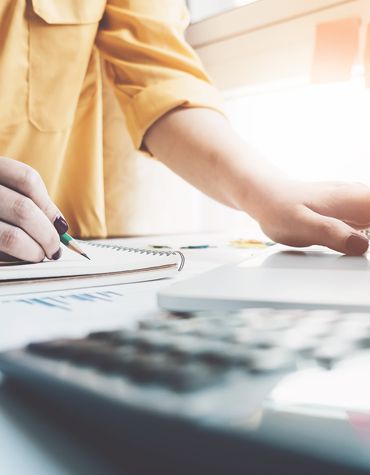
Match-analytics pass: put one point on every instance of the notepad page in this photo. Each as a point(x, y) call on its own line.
point(102, 261)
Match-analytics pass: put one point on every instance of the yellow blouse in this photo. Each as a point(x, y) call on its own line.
point(55, 58)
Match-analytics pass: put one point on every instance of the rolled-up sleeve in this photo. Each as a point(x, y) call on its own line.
point(152, 67)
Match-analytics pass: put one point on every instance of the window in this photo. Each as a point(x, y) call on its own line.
point(313, 132)
point(260, 56)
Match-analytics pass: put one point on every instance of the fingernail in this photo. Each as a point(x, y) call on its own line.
point(356, 245)
point(57, 255)
point(61, 225)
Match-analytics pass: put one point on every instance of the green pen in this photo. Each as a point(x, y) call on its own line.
point(69, 242)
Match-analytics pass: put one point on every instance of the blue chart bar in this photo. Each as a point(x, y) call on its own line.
point(65, 302)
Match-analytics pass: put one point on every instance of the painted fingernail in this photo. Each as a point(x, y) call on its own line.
point(356, 245)
point(61, 225)
point(57, 254)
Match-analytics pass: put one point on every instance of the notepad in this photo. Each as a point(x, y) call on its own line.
point(106, 260)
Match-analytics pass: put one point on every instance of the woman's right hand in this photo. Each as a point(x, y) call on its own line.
point(30, 223)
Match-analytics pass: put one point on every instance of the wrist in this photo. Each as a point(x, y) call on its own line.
point(254, 184)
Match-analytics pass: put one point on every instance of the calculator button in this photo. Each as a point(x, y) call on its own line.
point(299, 342)
point(88, 352)
point(261, 359)
point(253, 338)
point(213, 332)
point(151, 341)
point(276, 359)
point(54, 348)
point(269, 323)
point(144, 368)
point(314, 328)
point(191, 377)
point(203, 351)
point(333, 350)
point(216, 355)
point(124, 336)
point(183, 326)
point(156, 325)
point(159, 369)
point(100, 335)
point(111, 359)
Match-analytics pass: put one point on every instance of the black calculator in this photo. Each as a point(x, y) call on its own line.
point(260, 390)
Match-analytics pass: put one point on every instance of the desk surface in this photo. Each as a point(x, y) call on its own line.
point(31, 444)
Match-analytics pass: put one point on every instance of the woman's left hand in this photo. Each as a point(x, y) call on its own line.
point(325, 213)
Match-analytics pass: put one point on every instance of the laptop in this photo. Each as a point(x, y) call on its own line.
point(279, 277)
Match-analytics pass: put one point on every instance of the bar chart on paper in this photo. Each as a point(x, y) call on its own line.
point(66, 302)
point(68, 313)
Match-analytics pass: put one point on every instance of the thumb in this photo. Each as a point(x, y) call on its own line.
point(335, 234)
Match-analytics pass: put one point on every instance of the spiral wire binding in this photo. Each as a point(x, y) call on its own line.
point(137, 250)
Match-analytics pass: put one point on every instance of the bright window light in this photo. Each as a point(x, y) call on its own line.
point(313, 132)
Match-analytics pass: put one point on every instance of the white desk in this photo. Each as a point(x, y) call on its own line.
point(31, 444)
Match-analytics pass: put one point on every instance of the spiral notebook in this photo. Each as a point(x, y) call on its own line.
point(122, 264)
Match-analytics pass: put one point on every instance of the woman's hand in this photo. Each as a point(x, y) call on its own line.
point(326, 213)
point(201, 146)
point(30, 223)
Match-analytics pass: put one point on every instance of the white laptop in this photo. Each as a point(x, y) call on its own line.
point(279, 277)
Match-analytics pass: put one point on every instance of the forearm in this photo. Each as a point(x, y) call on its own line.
point(201, 146)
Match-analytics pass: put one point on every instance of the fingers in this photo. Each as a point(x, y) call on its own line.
point(25, 180)
point(328, 214)
point(22, 212)
point(15, 242)
point(349, 202)
point(331, 232)
point(30, 221)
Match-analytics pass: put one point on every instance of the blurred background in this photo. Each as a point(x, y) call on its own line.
point(260, 53)
point(201, 9)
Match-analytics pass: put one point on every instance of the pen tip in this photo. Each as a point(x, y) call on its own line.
point(85, 255)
